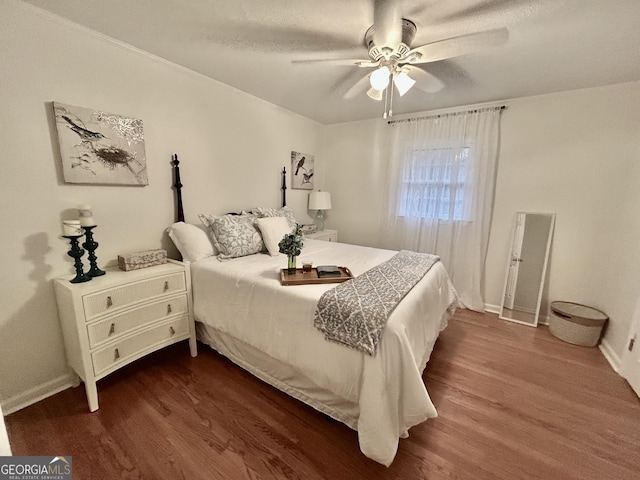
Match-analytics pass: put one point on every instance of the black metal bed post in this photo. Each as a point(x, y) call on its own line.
point(284, 186)
point(178, 186)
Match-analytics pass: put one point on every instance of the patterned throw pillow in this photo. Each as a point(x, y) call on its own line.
point(286, 212)
point(234, 235)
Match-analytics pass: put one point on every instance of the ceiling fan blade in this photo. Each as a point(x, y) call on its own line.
point(358, 62)
point(456, 46)
point(425, 81)
point(387, 22)
point(358, 87)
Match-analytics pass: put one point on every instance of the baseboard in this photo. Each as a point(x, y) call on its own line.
point(610, 355)
point(40, 392)
point(492, 308)
point(543, 320)
point(604, 346)
point(530, 311)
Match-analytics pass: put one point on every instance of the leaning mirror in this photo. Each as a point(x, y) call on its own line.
point(527, 267)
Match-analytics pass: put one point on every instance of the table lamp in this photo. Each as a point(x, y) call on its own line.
point(320, 201)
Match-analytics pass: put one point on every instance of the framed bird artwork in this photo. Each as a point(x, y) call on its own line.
point(302, 171)
point(97, 147)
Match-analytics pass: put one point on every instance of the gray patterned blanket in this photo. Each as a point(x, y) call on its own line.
point(355, 312)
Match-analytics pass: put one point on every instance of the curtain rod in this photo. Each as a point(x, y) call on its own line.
point(450, 114)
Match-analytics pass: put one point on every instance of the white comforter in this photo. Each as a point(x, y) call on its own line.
point(381, 396)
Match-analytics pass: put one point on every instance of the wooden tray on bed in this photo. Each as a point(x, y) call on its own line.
point(310, 278)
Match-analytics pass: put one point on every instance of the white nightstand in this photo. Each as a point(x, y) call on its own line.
point(122, 316)
point(326, 235)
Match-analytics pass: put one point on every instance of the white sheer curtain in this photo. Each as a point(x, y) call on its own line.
point(439, 194)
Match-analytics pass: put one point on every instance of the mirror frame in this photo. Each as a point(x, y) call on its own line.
point(544, 268)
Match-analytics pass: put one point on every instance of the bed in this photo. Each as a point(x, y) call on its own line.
point(244, 313)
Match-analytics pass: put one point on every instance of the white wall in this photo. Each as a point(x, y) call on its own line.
point(232, 147)
point(575, 153)
point(354, 175)
point(5, 448)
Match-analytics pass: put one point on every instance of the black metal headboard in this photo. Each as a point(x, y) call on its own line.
point(177, 185)
point(284, 187)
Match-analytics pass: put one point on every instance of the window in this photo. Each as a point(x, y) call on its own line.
point(434, 184)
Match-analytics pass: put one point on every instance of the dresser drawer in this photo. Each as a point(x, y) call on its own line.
point(116, 298)
point(127, 321)
point(135, 346)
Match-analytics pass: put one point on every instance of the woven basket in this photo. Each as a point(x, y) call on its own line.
point(576, 323)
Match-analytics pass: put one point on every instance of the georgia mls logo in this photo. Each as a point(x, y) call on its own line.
point(59, 466)
point(36, 468)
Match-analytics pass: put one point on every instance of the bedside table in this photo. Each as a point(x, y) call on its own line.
point(326, 235)
point(115, 319)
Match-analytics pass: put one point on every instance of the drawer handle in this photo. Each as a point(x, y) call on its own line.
point(109, 302)
point(116, 354)
point(173, 332)
point(166, 285)
point(112, 329)
point(169, 309)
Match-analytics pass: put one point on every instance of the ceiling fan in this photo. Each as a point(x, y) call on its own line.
point(394, 60)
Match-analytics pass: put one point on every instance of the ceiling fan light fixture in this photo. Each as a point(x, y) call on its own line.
point(375, 94)
point(379, 79)
point(403, 83)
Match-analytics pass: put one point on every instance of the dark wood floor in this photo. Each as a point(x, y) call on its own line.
point(513, 403)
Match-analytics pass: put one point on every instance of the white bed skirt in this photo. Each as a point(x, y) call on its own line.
point(280, 375)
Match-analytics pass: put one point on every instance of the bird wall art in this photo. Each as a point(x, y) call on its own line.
point(99, 147)
point(302, 171)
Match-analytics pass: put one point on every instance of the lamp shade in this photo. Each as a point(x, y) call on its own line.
point(379, 79)
point(319, 201)
point(403, 83)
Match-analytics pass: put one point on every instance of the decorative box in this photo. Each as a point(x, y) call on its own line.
point(144, 259)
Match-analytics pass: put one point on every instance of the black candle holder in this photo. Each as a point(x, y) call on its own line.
point(76, 253)
point(91, 245)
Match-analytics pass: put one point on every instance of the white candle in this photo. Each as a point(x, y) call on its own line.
point(72, 227)
point(85, 215)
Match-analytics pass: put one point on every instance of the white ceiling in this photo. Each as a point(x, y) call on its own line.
point(554, 45)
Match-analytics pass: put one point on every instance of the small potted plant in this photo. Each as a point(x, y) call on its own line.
point(291, 245)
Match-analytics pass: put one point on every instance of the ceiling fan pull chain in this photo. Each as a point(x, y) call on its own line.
point(390, 88)
point(386, 98)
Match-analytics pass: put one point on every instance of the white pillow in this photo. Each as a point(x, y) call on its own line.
point(265, 212)
point(273, 229)
point(191, 240)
